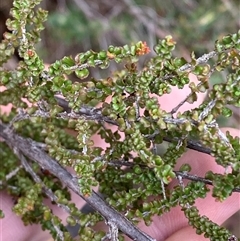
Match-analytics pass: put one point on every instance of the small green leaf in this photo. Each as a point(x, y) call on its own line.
point(82, 74)
point(226, 112)
point(185, 168)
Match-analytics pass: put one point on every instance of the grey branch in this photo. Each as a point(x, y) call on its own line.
point(201, 60)
point(195, 178)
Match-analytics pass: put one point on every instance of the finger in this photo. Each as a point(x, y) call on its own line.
point(170, 101)
point(12, 227)
point(186, 234)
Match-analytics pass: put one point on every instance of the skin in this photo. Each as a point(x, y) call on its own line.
point(169, 227)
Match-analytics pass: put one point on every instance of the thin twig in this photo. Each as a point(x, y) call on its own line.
point(201, 60)
point(83, 66)
point(113, 231)
point(195, 178)
point(58, 230)
point(11, 174)
point(183, 175)
point(207, 110)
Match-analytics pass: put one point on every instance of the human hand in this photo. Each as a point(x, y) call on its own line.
point(170, 226)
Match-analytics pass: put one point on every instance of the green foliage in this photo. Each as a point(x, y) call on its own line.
point(146, 173)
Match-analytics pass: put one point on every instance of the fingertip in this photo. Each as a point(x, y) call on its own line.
point(186, 234)
point(12, 227)
point(170, 101)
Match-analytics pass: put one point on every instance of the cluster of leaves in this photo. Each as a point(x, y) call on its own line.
point(133, 109)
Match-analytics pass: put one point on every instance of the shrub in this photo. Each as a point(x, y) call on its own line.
point(38, 150)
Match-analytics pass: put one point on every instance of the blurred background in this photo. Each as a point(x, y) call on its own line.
point(76, 26)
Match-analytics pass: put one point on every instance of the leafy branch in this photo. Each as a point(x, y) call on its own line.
point(36, 131)
point(27, 148)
